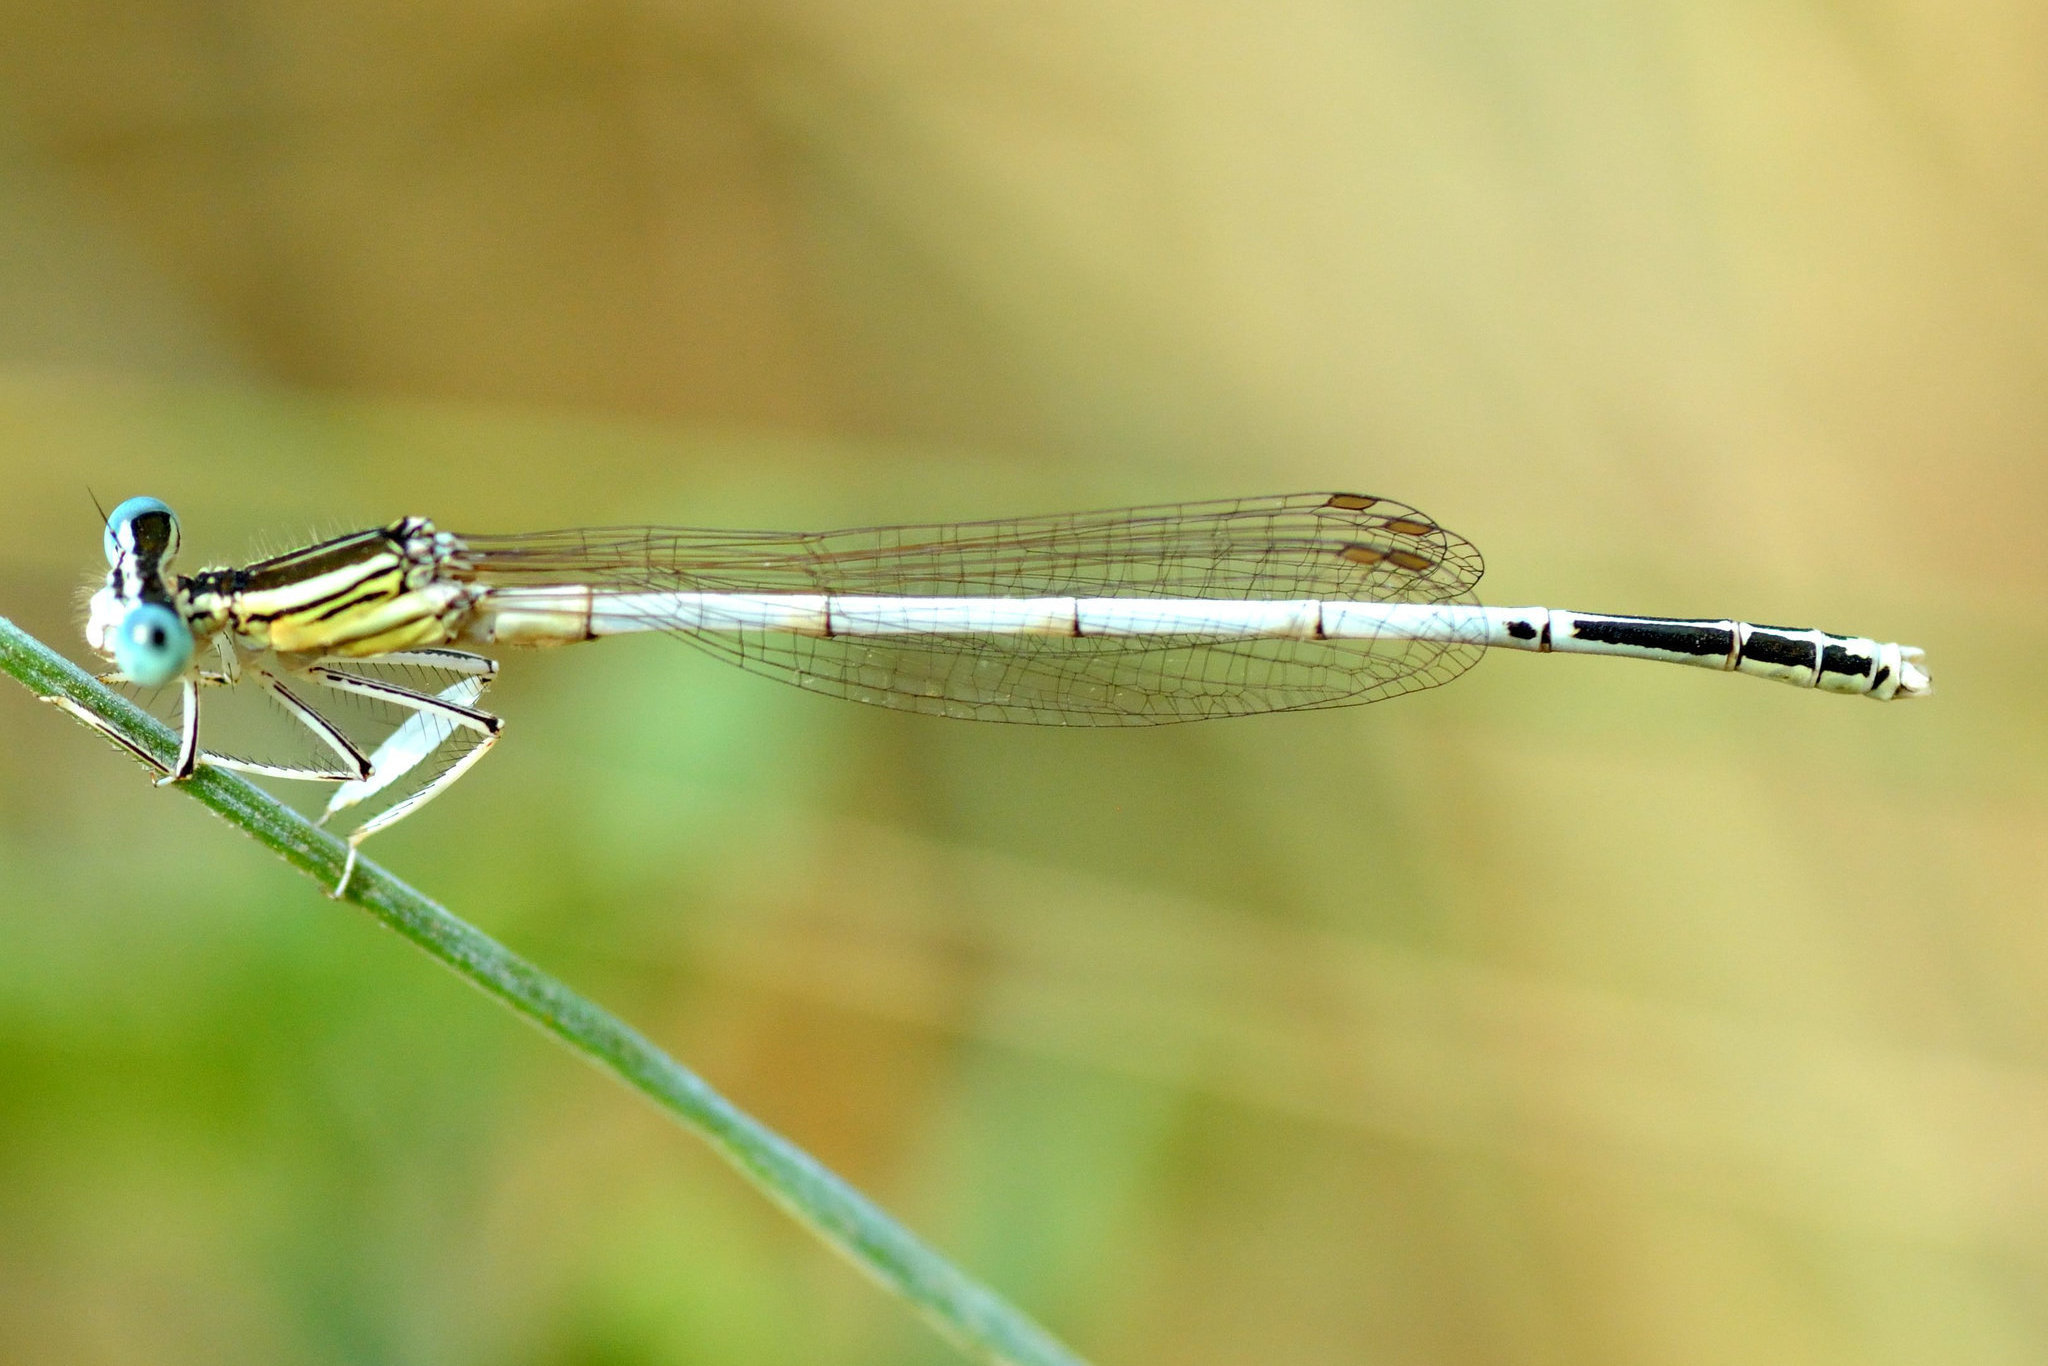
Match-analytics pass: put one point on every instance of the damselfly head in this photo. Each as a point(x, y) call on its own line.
point(134, 619)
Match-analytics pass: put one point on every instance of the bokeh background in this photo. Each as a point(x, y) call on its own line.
point(1582, 1012)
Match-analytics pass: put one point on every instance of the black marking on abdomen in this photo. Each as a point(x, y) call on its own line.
point(1783, 646)
point(1882, 674)
point(1521, 630)
point(1839, 659)
point(1704, 640)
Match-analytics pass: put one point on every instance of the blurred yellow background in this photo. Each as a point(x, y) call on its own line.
point(1583, 1012)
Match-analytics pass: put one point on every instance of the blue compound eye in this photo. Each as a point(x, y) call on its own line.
point(152, 645)
point(145, 525)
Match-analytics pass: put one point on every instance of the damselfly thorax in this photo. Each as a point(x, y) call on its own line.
point(1136, 616)
point(397, 588)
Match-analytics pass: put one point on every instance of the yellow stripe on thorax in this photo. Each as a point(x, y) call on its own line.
point(405, 622)
point(357, 611)
point(378, 576)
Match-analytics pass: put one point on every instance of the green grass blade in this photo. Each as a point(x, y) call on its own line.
point(968, 1313)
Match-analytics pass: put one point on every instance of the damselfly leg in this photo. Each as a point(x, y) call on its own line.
point(434, 723)
point(435, 720)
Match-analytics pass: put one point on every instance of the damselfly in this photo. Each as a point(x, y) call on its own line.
point(1131, 617)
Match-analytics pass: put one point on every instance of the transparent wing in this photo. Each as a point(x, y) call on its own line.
point(1324, 546)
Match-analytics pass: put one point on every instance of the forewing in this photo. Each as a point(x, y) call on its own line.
point(1322, 546)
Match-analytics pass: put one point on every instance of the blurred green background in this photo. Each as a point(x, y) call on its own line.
point(1583, 1012)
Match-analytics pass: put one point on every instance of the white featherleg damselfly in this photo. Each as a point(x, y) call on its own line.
point(1137, 616)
